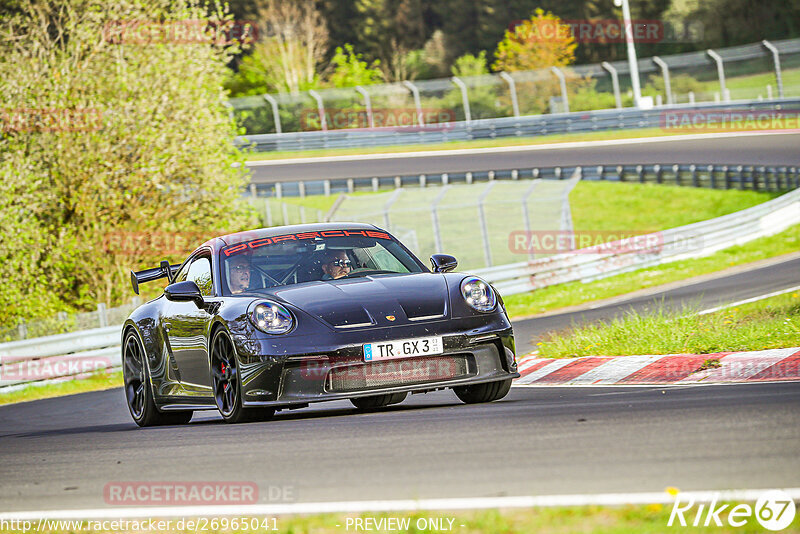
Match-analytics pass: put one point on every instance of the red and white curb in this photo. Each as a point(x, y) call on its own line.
point(758, 366)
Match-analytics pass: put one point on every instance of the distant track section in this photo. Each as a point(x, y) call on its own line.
point(750, 148)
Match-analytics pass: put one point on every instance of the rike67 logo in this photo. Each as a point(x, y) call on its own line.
point(774, 510)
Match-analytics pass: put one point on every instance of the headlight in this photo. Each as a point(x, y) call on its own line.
point(271, 317)
point(478, 294)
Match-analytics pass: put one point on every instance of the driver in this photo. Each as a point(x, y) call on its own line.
point(239, 268)
point(336, 265)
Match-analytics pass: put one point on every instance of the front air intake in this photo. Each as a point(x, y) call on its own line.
point(391, 373)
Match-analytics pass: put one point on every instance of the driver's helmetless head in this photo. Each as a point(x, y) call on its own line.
point(240, 274)
point(336, 264)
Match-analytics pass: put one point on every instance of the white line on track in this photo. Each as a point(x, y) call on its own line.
point(507, 149)
point(747, 301)
point(602, 499)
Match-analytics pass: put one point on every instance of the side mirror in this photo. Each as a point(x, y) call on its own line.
point(184, 292)
point(443, 263)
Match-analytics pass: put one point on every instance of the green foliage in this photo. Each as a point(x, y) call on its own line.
point(680, 84)
point(350, 70)
point(470, 65)
point(542, 41)
point(79, 203)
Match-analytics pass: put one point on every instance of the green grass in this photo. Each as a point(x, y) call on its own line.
point(96, 382)
point(645, 519)
point(574, 293)
point(750, 86)
point(766, 324)
point(609, 206)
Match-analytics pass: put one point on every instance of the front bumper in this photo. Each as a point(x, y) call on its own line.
point(476, 356)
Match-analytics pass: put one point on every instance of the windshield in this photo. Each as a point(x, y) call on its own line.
point(312, 256)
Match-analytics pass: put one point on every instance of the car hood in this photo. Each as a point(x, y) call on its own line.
point(385, 300)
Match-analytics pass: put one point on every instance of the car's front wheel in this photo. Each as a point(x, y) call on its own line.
point(227, 383)
point(138, 391)
point(378, 401)
point(487, 392)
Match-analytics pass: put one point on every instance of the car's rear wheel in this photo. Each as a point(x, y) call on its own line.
point(378, 401)
point(487, 392)
point(138, 390)
point(227, 383)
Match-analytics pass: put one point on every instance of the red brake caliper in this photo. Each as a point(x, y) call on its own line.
point(225, 387)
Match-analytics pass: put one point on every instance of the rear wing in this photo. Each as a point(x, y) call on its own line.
point(148, 275)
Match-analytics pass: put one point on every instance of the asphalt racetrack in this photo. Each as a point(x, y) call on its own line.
point(60, 453)
point(739, 148)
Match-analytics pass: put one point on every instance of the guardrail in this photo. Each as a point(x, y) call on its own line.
point(54, 358)
point(753, 177)
point(525, 126)
point(74, 355)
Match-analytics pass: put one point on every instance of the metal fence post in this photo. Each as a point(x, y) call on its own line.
point(275, 115)
point(268, 212)
point(614, 82)
point(417, 104)
point(320, 109)
point(102, 316)
point(563, 81)
point(487, 251)
point(526, 220)
point(326, 186)
point(720, 71)
point(388, 206)
point(776, 58)
point(665, 73)
point(512, 88)
point(437, 235)
point(367, 104)
point(464, 98)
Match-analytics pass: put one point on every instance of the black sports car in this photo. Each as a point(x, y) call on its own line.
point(277, 318)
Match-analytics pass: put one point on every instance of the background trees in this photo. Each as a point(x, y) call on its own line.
point(155, 155)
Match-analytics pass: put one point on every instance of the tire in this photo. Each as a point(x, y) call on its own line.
point(488, 392)
point(139, 389)
point(378, 401)
point(227, 383)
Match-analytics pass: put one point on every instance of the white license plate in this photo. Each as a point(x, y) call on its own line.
point(402, 348)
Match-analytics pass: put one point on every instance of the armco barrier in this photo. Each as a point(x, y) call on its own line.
point(103, 344)
point(527, 126)
point(53, 357)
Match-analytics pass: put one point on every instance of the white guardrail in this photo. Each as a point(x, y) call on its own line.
point(74, 355)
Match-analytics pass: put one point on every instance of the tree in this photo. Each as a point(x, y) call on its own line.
point(289, 57)
point(109, 141)
point(539, 42)
point(350, 70)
